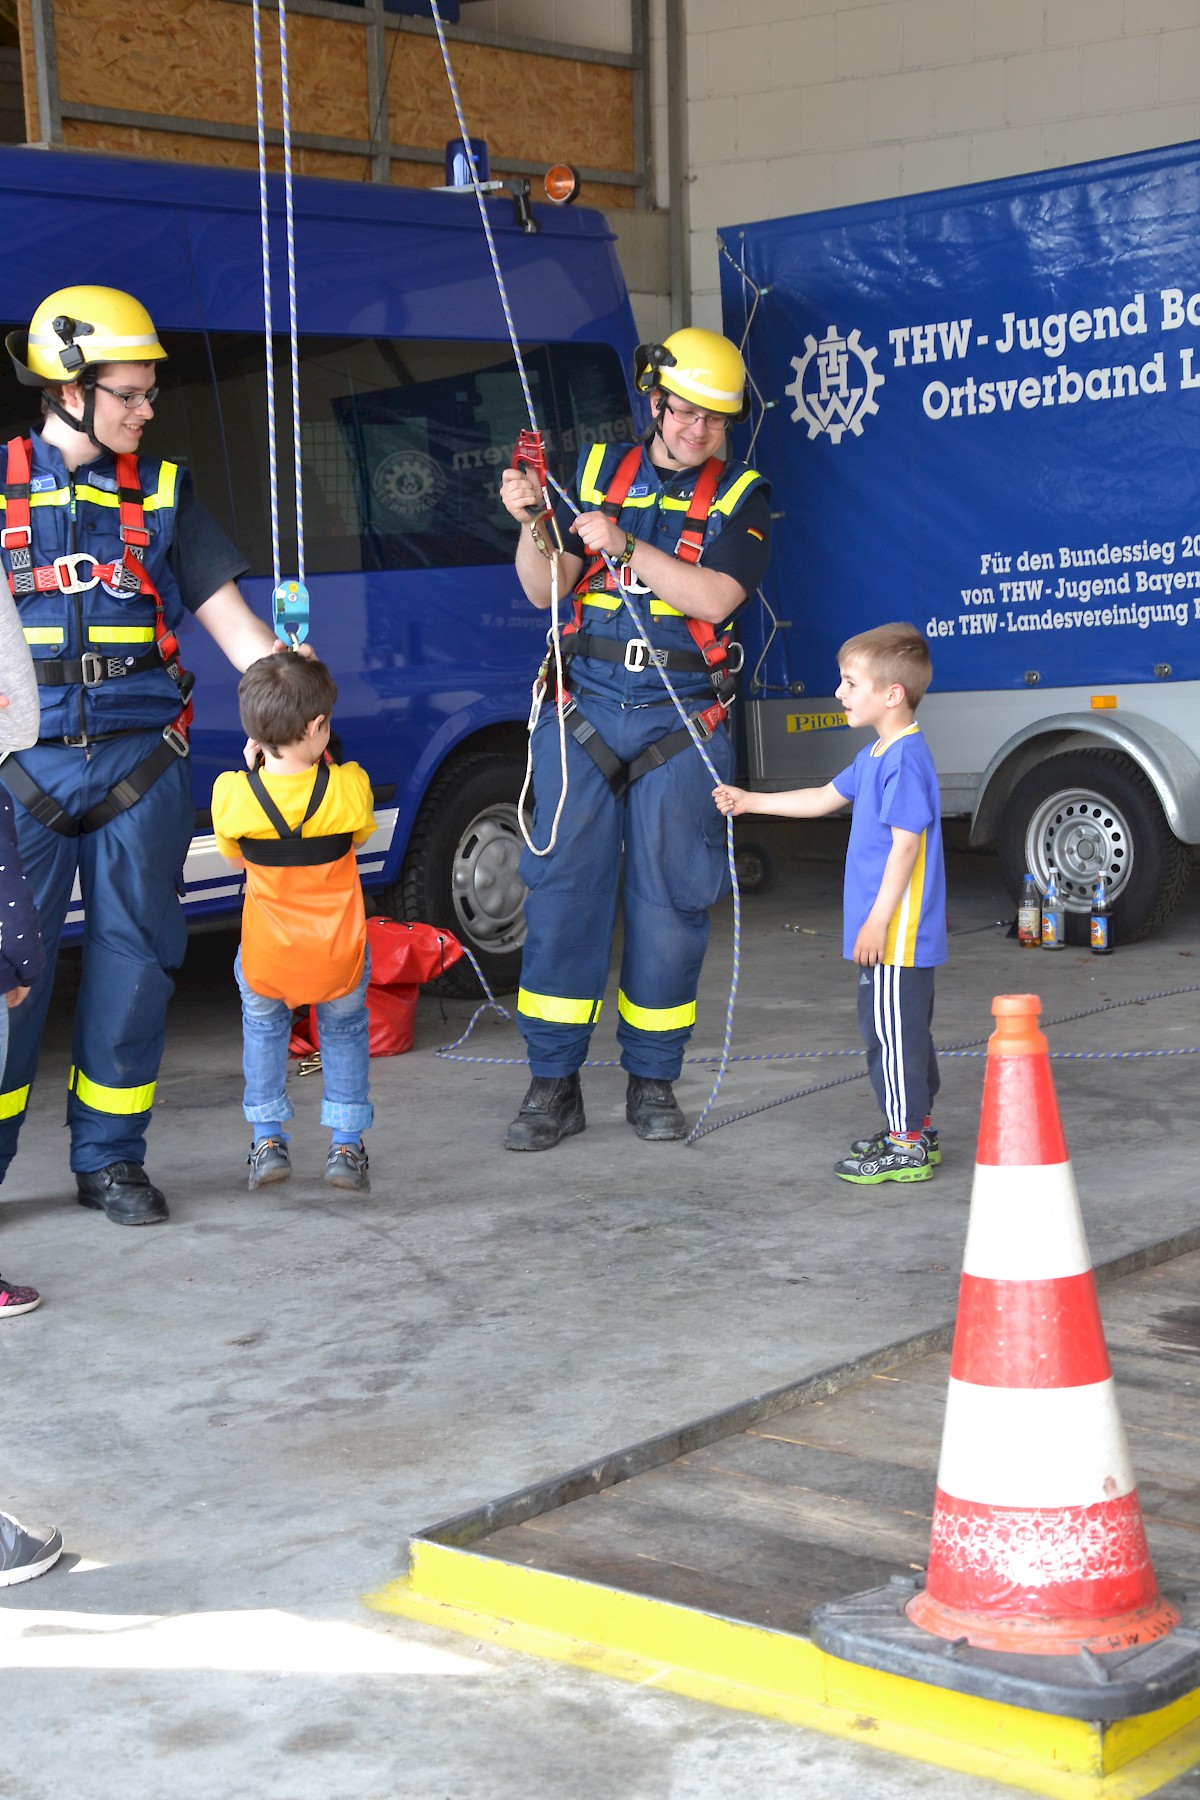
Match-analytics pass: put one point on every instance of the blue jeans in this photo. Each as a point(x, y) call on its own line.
point(345, 1057)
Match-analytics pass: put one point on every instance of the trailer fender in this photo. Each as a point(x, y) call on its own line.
point(1171, 768)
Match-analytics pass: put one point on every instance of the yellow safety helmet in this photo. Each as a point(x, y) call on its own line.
point(78, 328)
point(702, 367)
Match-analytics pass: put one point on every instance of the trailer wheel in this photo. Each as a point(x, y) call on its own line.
point(461, 870)
point(1091, 812)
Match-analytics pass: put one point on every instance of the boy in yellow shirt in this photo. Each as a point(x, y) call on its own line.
point(291, 818)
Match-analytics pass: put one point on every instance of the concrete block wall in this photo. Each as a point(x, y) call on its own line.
point(797, 105)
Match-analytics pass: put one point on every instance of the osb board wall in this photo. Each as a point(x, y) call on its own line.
point(225, 153)
point(538, 108)
point(194, 58)
point(28, 71)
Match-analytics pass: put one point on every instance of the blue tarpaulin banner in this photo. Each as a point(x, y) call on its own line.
point(985, 419)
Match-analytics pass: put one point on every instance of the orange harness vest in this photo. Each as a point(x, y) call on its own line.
point(303, 940)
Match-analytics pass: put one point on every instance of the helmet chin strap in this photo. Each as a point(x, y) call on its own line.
point(87, 425)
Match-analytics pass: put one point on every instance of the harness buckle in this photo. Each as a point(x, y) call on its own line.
point(640, 655)
point(93, 667)
point(176, 737)
point(16, 537)
point(629, 581)
point(735, 656)
point(65, 572)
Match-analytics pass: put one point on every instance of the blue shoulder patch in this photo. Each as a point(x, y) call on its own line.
point(42, 484)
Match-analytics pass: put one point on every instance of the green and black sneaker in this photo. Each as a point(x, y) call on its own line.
point(886, 1160)
point(929, 1137)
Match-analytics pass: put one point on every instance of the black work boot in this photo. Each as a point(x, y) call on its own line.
point(551, 1110)
point(123, 1193)
point(653, 1111)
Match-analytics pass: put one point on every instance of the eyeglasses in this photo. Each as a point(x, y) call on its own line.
point(688, 416)
point(131, 402)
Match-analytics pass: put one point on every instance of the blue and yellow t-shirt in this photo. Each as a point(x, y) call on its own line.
point(896, 784)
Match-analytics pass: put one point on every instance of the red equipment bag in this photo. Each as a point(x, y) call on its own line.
point(402, 957)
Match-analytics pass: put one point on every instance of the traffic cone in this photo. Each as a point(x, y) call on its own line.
point(1038, 1543)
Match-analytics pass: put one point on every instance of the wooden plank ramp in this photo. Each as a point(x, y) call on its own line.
point(747, 1533)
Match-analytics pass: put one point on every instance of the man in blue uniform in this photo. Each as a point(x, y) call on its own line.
point(688, 531)
point(105, 550)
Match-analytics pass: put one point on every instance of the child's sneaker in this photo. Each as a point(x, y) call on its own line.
point(346, 1167)
point(24, 1553)
point(269, 1162)
point(14, 1300)
point(890, 1160)
point(929, 1137)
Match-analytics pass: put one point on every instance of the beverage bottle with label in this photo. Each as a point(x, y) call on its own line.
point(1029, 915)
point(1054, 918)
point(1101, 929)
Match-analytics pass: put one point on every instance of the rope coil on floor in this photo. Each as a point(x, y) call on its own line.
point(971, 1047)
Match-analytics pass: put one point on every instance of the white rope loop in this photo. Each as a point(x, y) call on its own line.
point(268, 311)
point(272, 451)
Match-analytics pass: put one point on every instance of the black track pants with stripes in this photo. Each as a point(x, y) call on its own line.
point(895, 1016)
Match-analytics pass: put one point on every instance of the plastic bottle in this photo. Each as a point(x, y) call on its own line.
point(1101, 927)
point(1029, 915)
point(1054, 919)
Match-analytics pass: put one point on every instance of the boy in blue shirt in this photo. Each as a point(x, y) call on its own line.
point(894, 925)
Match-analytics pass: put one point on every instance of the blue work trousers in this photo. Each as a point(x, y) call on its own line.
point(673, 868)
point(130, 873)
point(344, 1031)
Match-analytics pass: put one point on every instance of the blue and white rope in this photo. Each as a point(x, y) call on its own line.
point(483, 213)
point(290, 224)
point(691, 730)
point(272, 458)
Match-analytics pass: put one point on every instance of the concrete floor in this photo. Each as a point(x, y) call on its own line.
point(238, 1418)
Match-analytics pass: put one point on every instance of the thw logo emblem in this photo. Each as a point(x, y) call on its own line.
point(835, 385)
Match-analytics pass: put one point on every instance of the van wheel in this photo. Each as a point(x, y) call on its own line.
point(461, 870)
point(1087, 813)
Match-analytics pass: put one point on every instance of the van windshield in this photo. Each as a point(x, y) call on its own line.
point(403, 441)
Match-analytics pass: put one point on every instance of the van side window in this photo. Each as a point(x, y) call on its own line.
point(403, 443)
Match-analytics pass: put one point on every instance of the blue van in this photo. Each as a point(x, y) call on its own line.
point(410, 403)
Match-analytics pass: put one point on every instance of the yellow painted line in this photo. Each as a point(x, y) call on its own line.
point(776, 1675)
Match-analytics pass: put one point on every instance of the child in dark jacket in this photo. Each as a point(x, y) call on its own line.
point(21, 962)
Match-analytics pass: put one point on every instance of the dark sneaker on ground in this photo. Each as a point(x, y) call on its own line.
point(24, 1554)
point(346, 1167)
point(123, 1193)
point(888, 1161)
point(929, 1137)
point(14, 1299)
point(551, 1110)
point(653, 1111)
point(269, 1162)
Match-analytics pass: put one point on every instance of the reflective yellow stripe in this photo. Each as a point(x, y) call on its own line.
point(163, 495)
point(44, 634)
point(14, 1102)
point(53, 497)
point(655, 1018)
point(728, 501)
point(111, 1099)
point(168, 477)
point(613, 603)
point(557, 1011)
point(120, 634)
point(589, 493)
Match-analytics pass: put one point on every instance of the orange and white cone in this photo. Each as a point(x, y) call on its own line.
point(1038, 1543)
